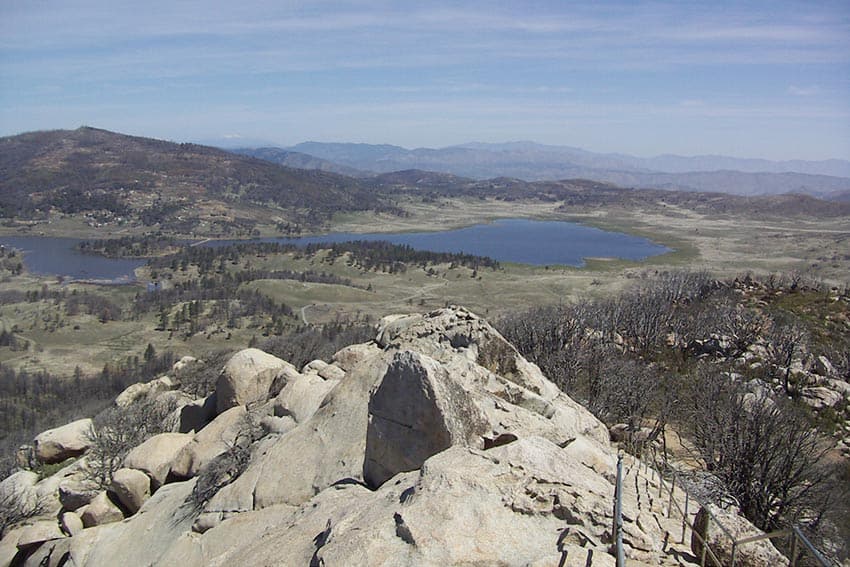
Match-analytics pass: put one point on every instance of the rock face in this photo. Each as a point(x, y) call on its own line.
point(56, 445)
point(247, 378)
point(756, 554)
point(416, 412)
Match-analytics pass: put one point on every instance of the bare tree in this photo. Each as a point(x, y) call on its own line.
point(786, 340)
point(764, 450)
point(18, 505)
point(118, 430)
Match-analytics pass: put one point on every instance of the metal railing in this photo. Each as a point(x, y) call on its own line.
point(797, 538)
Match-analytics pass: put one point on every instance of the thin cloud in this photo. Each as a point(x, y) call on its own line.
point(804, 91)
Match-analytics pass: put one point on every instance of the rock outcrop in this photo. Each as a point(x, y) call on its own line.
point(435, 444)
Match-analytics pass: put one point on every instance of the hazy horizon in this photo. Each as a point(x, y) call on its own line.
point(748, 80)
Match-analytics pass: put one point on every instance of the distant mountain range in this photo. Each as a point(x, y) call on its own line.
point(536, 162)
point(108, 179)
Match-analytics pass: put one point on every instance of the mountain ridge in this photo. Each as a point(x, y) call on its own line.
point(537, 162)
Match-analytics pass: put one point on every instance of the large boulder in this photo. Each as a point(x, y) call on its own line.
point(330, 446)
point(247, 378)
point(61, 443)
point(757, 554)
point(416, 412)
point(131, 488)
point(524, 503)
point(156, 455)
point(143, 538)
point(302, 396)
point(101, 510)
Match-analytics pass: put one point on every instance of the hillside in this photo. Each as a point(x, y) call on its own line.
point(183, 187)
point(298, 160)
point(583, 195)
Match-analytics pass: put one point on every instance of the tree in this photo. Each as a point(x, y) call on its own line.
point(765, 450)
point(150, 353)
point(786, 340)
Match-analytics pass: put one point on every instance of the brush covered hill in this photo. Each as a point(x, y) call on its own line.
point(110, 175)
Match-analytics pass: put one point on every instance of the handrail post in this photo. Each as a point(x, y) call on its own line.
point(672, 491)
point(685, 517)
point(618, 514)
point(705, 540)
point(734, 552)
point(793, 562)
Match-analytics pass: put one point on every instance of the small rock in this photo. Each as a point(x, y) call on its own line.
point(350, 356)
point(71, 523)
point(823, 366)
point(314, 367)
point(183, 363)
point(758, 554)
point(195, 415)
point(332, 372)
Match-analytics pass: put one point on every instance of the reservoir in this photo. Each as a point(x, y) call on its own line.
point(508, 240)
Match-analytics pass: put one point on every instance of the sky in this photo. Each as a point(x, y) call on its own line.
point(746, 79)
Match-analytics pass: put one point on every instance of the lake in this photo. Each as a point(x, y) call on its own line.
point(508, 240)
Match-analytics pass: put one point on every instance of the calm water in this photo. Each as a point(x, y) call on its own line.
point(57, 257)
point(509, 240)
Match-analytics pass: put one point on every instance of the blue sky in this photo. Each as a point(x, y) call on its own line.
point(752, 79)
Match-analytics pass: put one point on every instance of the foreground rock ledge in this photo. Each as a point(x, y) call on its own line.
point(435, 444)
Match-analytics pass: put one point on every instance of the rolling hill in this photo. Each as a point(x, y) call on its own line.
point(155, 182)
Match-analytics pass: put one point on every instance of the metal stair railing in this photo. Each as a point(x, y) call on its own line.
point(794, 533)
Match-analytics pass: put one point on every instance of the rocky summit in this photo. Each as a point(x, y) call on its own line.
point(434, 444)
